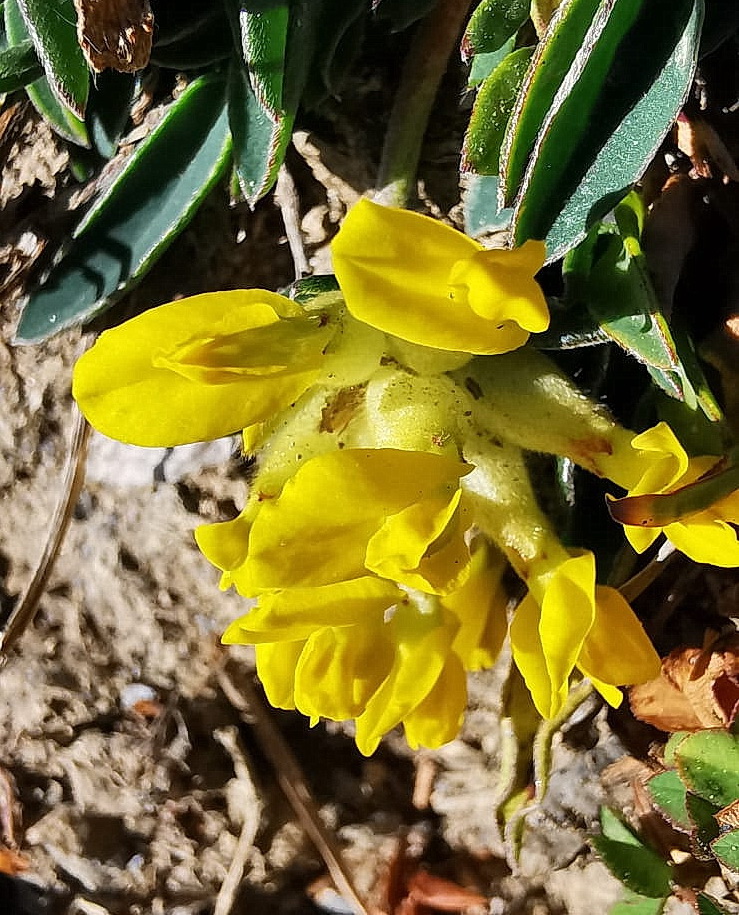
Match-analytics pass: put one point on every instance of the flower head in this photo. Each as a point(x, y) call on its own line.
point(346, 514)
point(567, 621)
point(424, 282)
point(201, 367)
point(703, 534)
point(370, 651)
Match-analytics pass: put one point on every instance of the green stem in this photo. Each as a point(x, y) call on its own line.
point(424, 68)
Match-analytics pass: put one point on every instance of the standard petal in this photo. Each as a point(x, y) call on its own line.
point(318, 529)
point(395, 270)
point(199, 368)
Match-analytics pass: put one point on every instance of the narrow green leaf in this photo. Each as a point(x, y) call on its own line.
point(258, 142)
point(492, 24)
point(59, 116)
point(552, 60)
point(53, 30)
point(264, 42)
point(266, 87)
point(667, 792)
point(636, 865)
point(708, 762)
point(634, 904)
point(608, 118)
point(139, 215)
point(18, 66)
point(707, 905)
point(726, 849)
point(108, 110)
point(490, 114)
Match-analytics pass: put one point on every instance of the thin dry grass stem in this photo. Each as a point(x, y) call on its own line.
point(246, 700)
point(287, 201)
point(228, 738)
point(74, 477)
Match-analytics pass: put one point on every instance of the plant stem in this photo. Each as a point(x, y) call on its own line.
point(424, 68)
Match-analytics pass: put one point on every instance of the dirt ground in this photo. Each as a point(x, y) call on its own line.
point(132, 780)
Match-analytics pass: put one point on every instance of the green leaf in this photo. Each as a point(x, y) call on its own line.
point(606, 120)
point(108, 110)
point(53, 30)
point(608, 273)
point(708, 762)
point(491, 112)
point(200, 47)
point(707, 905)
point(667, 793)
point(483, 64)
point(672, 745)
point(480, 201)
point(278, 43)
point(703, 815)
point(726, 849)
point(58, 115)
point(552, 60)
point(636, 865)
point(492, 24)
point(138, 215)
point(634, 904)
point(18, 66)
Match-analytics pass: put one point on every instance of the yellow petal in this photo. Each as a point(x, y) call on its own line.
point(499, 285)
point(438, 718)
point(665, 459)
point(276, 665)
point(480, 606)
point(405, 547)
point(295, 613)
point(567, 615)
point(617, 651)
point(422, 647)
point(395, 269)
point(199, 368)
point(705, 538)
point(341, 669)
point(529, 658)
point(318, 529)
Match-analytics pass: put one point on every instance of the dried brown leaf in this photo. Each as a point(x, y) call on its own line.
point(697, 688)
point(115, 33)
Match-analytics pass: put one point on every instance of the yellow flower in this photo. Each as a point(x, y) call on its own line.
point(367, 650)
point(411, 276)
point(201, 367)
point(348, 513)
point(705, 535)
point(567, 621)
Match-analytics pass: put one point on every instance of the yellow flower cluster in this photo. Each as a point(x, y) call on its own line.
point(391, 491)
